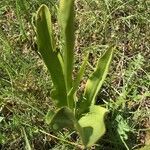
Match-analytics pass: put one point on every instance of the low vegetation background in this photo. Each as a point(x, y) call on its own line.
point(25, 83)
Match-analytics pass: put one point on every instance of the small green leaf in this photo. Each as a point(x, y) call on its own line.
point(95, 81)
point(51, 57)
point(92, 124)
point(64, 118)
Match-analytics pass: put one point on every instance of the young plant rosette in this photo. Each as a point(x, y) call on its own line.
point(81, 114)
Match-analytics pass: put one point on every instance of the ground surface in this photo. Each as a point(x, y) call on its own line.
point(25, 82)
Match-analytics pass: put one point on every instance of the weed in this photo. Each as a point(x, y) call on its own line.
point(25, 84)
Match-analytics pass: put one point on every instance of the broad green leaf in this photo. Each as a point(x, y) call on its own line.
point(51, 57)
point(66, 20)
point(64, 118)
point(96, 80)
point(92, 125)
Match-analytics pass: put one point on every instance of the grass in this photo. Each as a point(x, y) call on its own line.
point(25, 83)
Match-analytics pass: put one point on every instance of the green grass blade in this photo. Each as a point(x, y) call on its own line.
point(28, 147)
point(96, 80)
point(51, 58)
point(21, 23)
point(5, 41)
point(1, 118)
point(66, 20)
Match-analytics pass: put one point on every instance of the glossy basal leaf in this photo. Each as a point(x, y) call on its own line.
point(51, 57)
point(64, 118)
point(66, 20)
point(96, 80)
point(92, 125)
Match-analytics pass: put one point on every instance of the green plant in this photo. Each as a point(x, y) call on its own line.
point(83, 115)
